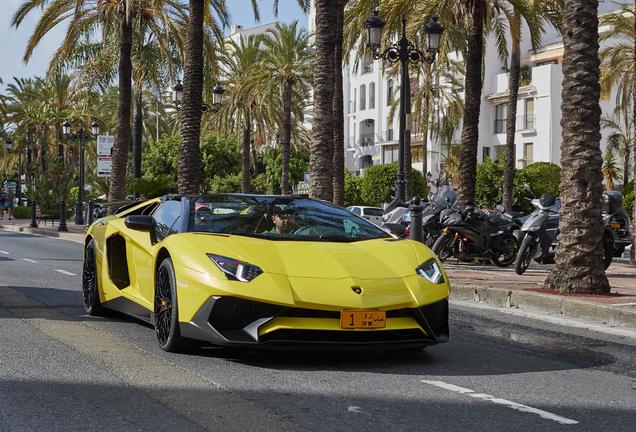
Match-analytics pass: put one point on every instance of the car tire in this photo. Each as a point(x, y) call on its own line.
point(166, 310)
point(90, 284)
point(608, 250)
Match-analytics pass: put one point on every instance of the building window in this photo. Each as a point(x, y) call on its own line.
point(389, 92)
point(372, 95)
point(485, 153)
point(529, 117)
point(363, 97)
point(501, 112)
point(367, 65)
point(390, 154)
point(528, 153)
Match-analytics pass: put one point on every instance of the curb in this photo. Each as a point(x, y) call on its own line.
point(38, 231)
point(567, 307)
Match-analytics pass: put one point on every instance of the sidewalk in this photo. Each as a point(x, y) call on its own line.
point(75, 232)
point(506, 289)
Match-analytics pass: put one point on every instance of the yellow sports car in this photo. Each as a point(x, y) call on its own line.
point(264, 271)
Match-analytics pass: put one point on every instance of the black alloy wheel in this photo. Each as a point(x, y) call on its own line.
point(166, 312)
point(90, 288)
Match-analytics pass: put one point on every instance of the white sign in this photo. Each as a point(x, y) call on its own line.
point(104, 166)
point(105, 145)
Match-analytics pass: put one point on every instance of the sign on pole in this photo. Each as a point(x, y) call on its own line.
point(105, 155)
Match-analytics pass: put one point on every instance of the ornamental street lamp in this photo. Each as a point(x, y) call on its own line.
point(217, 97)
point(80, 136)
point(405, 53)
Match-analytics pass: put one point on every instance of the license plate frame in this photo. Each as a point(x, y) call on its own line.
point(362, 319)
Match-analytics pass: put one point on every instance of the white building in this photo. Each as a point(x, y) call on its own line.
point(371, 136)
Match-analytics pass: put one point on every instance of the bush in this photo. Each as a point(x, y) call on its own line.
point(543, 177)
point(227, 184)
point(489, 186)
point(378, 183)
point(352, 189)
point(273, 159)
point(22, 212)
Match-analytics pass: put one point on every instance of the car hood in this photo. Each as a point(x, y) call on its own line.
point(369, 259)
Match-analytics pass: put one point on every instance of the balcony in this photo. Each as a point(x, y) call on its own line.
point(365, 140)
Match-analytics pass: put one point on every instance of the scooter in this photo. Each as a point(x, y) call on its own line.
point(538, 234)
point(470, 235)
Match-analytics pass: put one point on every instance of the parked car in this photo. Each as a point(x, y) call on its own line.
point(372, 214)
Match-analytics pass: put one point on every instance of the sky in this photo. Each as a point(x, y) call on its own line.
point(13, 42)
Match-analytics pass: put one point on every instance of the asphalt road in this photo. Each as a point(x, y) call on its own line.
point(62, 370)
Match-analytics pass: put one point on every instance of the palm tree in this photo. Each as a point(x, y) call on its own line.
point(535, 13)
point(610, 169)
point(118, 17)
point(240, 60)
point(321, 148)
point(579, 258)
point(620, 140)
point(286, 65)
point(338, 108)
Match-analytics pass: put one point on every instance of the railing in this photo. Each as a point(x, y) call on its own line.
point(367, 67)
point(366, 140)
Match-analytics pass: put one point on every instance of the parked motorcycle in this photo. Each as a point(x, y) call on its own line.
point(540, 230)
point(538, 234)
point(470, 235)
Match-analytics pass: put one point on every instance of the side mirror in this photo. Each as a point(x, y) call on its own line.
point(500, 208)
point(140, 222)
point(397, 230)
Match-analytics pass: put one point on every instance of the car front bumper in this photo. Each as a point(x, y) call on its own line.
point(232, 321)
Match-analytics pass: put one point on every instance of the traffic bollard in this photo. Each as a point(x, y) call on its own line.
point(62, 225)
point(90, 212)
point(34, 222)
point(416, 218)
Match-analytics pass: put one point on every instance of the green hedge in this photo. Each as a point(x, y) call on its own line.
point(377, 184)
point(489, 186)
point(543, 177)
point(628, 194)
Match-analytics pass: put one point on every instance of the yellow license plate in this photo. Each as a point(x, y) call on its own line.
point(350, 319)
point(615, 225)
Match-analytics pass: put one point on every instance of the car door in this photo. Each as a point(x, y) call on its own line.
point(144, 247)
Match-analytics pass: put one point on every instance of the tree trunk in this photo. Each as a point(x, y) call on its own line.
point(511, 126)
point(338, 111)
point(286, 138)
point(428, 77)
point(321, 147)
point(189, 166)
point(579, 258)
point(122, 134)
point(472, 86)
point(632, 253)
point(138, 130)
point(408, 156)
point(245, 161)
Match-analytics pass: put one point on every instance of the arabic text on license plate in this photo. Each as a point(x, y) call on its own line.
point(351, 319)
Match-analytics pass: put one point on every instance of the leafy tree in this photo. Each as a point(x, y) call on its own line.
point(219, 156)
point(273, 159)
point(352, 189)
point(161, 158)
point(628, 195)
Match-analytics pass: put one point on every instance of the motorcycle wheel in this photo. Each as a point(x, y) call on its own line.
point(525, 254)
point(506, 255)
point(443, 247)
point(608, 251)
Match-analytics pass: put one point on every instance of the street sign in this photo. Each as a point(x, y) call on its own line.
point(10, 186)
point(105, 145)
point(104, 166)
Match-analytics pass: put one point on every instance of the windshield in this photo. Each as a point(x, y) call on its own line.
point(278, 218)
point(440, 200)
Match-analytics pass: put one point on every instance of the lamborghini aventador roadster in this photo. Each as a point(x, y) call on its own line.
point(264, 272)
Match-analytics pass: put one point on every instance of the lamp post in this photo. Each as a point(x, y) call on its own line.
point(80, 136)
point(405, 53)
point(217, 97)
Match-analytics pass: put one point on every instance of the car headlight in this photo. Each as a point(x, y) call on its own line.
point(234, 269)
point(430, 271)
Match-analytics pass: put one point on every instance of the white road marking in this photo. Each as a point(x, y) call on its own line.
point(354, 409)
point(29, 260)
point(514, 405)
point(64, 272)
point(4, 252)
